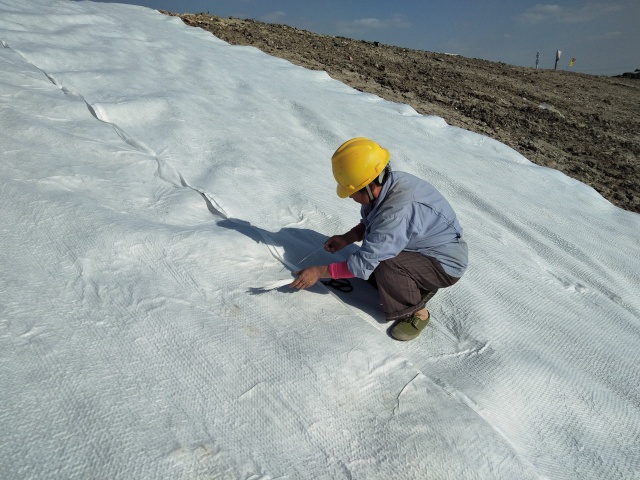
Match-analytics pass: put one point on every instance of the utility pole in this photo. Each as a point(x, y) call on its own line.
point(537, 59)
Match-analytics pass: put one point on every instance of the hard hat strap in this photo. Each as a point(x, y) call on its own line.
point(369, 194)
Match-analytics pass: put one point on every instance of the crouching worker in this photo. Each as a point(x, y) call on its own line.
point(412, 242)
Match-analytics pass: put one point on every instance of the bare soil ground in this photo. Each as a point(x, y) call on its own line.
point(583, 125)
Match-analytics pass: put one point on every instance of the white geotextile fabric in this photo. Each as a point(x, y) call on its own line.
point(157, 186)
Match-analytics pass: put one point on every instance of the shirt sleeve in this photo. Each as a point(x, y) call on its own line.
point(386, 240)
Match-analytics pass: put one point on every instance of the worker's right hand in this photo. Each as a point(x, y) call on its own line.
point(335, 243)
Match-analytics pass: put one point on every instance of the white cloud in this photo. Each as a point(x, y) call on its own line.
point(606, 36)
point(368, 24)
point(541, 13)
point(273, 17)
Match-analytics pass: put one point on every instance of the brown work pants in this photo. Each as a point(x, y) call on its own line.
point(404, 281)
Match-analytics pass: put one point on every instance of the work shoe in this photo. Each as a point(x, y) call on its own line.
point(410, 327)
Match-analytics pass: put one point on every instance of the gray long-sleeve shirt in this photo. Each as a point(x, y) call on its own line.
point(409, 214)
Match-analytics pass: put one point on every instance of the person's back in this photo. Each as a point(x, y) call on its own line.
point(411, 214)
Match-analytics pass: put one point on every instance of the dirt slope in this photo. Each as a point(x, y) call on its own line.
point(583, 125)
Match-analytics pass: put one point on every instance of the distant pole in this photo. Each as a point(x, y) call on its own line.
point(558, 53)
point(537, 59)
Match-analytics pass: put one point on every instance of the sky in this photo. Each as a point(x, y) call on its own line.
point(150, 218)
point(601, 36)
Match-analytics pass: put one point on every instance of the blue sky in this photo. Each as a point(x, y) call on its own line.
point(603, 37)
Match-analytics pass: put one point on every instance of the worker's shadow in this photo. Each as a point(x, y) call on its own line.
point(301, 248)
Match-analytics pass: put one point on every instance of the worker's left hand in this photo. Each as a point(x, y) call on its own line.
point(307, 277)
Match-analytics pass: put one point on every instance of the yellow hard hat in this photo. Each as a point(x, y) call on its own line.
point(356, 163)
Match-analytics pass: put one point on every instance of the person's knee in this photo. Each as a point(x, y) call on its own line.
point(387, 266)
point(388, 274)
point(383, 271)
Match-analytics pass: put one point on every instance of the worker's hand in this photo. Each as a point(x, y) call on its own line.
point(308, 277)
point(335, 243)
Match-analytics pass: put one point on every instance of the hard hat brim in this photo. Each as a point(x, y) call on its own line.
point(344, 192)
